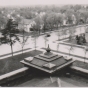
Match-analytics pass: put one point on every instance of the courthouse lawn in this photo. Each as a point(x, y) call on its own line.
point(10, 64)
point(81, 64)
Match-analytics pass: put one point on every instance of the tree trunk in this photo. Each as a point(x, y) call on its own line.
point(22, 49)
point(44, 28)
point(11, 46)
point(58, 38)
point(12, 50)
point(35, 42)
point(39, 31)
point(23, 42)
point(51, 26)
point(45, 43)
point(69, 51)
point(57, 26)
point(84, 57)
point(70, 38)
point(80, 30)
point(58, 47)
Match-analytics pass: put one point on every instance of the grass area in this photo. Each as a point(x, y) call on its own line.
point(81, 64)
point(10, 64)
point(75, 42)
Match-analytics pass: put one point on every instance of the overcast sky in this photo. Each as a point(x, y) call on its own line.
point(39, 2)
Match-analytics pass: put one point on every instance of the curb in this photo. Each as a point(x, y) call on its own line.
point(14, 52)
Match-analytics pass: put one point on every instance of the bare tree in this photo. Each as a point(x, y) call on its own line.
point(71, 49)
point(23, 40)
point(45, 38)
point(59, 35)
point(71, 32)
point(38, 24)
point(85, 51)
point(44, 19)
point(64, 31)
point(35, 35)
point(57, 46)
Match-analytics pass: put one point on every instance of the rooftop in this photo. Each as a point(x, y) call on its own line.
point(48, 61)
point(26, 21)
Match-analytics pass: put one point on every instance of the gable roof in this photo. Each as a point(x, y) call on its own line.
point(26, 21)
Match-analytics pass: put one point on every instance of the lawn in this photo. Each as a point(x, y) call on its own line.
point(72, 41)
point(75, 42)
point(81, 64)
point(10, 64)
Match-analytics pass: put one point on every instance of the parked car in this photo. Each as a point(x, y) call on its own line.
point(48, 35)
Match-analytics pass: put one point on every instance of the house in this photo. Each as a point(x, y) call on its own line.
point(74, 19)
point(41, 14)
point(26, 24)
point(64, 20)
